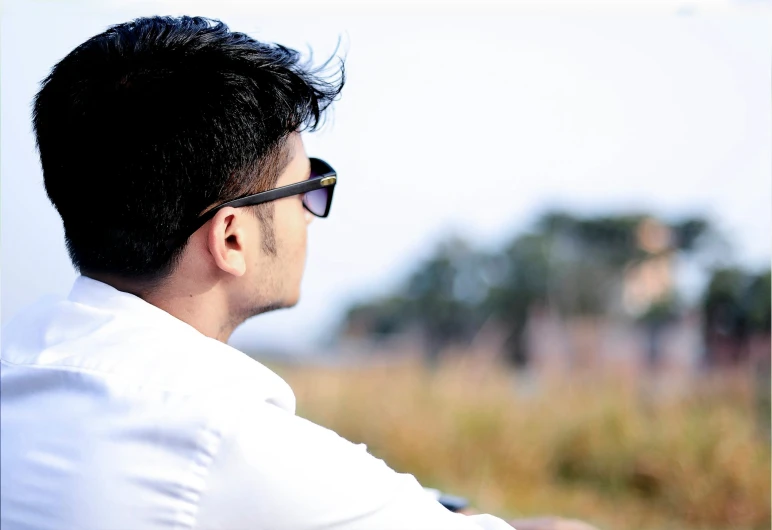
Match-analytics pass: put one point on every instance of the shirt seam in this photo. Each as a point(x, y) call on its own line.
point(204, 463)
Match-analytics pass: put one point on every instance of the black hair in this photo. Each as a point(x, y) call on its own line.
point(143, 127)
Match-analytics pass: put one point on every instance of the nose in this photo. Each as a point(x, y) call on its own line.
point(309, 217)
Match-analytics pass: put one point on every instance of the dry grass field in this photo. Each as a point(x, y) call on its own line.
point(606, 449)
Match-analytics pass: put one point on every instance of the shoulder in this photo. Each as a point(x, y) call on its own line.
point(139, 351)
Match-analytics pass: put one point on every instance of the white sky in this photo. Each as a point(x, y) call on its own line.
point(456, 116)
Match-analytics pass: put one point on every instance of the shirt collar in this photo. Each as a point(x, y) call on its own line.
point(94, 293)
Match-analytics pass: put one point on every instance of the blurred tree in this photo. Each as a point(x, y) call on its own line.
point(524, 282)
point(444, 294)
point(736, 305)
point(758, 303)
point(441, 298)
point(377, 320)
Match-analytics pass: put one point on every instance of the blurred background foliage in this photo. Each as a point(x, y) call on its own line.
point(609, 267)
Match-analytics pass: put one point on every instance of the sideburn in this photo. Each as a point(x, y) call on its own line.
point(264, 213)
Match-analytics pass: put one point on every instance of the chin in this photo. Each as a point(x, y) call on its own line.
point(283, 303)
point(292, 301)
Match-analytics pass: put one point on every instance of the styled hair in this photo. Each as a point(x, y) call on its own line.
point(143, 127)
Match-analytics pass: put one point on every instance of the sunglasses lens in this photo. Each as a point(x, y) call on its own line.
point(316, 201)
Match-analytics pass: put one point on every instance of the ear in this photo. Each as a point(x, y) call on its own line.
point(226, 240)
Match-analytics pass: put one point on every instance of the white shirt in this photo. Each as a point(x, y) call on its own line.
point(116, 415)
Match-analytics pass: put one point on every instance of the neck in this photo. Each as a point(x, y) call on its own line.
point(200, 304)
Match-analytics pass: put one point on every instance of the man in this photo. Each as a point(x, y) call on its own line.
point(171, 148)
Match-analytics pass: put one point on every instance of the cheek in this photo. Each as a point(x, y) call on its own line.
point(291, 228)
point(301, 231)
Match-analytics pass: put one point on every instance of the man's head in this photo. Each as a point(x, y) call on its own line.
point(144, 127)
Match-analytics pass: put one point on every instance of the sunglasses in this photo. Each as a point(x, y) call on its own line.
point(317, 197)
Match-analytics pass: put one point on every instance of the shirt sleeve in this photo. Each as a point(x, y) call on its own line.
point(277, 471)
